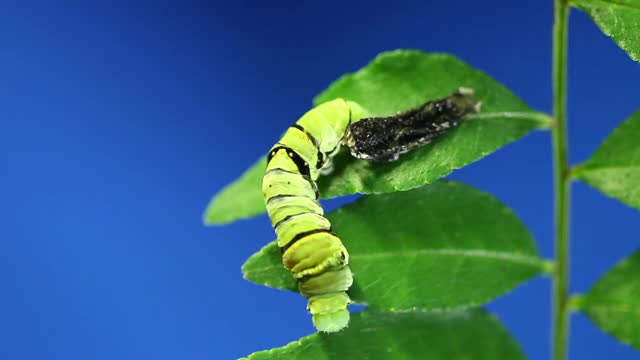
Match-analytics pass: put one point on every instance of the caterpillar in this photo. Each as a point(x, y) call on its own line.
point(310, 250)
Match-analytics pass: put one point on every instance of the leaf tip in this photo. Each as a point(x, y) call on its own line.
point(212, 216)
point(208, 219)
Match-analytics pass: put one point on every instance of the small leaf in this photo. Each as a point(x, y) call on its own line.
point(241, 199)
point(618, 19)
point(440, 246)
point(400, 80)
point(614, 169)
point(614, 302)
point(396, 81)
point(472, 334)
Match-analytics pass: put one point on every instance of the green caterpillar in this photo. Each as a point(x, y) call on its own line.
point(313, 254)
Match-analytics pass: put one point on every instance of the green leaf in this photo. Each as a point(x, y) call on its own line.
point(392, 82)
point(614, 302)
point(618, 19)
point(472, 334)
point(241, 199)
point(440, 246)
point(614, 169)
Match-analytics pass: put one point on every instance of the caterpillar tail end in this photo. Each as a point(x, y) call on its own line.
point(331, 322)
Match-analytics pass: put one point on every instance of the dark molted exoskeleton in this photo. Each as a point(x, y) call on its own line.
point(386, 138)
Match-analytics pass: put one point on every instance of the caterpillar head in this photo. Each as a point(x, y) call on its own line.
point(329, 311)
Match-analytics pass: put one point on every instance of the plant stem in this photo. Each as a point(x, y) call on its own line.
point(561, 183)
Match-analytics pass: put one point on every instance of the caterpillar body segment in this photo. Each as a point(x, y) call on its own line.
point(310, 250)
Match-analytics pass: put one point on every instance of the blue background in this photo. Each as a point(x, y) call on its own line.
point(120, 121)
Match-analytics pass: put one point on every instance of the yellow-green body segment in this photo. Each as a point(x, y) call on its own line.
point(310, 250)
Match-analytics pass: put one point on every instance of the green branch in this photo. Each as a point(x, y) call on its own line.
point(561, 183)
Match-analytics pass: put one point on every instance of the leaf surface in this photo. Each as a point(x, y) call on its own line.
point(614, 301)
point(441, 246)
point(614, 168)
point(396, 81)
point(618, 19)
point(472, 334)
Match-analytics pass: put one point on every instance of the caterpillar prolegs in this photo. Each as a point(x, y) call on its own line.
point(313, 254)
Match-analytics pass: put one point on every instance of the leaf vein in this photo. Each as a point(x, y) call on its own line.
point(478, 253)
point(543, 119)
